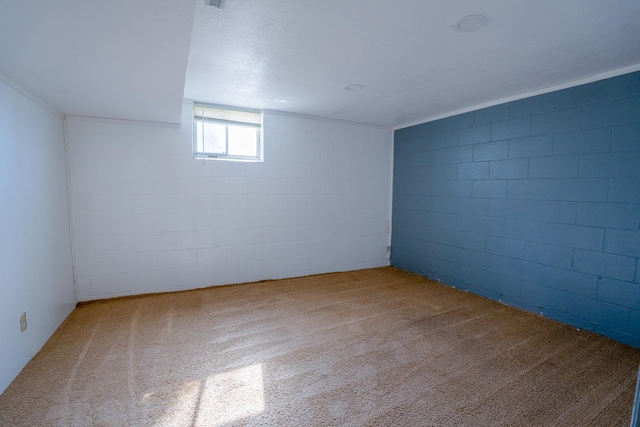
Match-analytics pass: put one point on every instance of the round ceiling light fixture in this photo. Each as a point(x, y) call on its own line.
point(470, 23)
point(354, 87)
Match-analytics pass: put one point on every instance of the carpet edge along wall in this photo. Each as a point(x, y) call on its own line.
point(534, 203)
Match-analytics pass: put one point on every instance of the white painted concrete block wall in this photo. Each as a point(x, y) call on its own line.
point(148, 217)
point(35, 247)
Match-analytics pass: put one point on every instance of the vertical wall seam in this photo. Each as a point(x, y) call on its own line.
point(390, 227)
point(69, 208)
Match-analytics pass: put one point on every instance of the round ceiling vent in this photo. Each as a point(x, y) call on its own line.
point(354, 87)
point(470, 23)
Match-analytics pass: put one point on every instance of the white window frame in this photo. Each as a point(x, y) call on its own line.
point(228, 116)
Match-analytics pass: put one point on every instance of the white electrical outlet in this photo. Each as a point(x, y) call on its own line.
point(23, 322)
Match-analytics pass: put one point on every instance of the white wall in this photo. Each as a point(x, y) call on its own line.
point(35, 246)
point(147, 217)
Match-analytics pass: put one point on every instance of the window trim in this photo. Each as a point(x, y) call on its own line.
point(229, 116)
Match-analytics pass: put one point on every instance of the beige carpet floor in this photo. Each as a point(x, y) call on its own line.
point(377, 347)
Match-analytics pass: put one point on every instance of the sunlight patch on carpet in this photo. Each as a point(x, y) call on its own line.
point(231, 396)
point(183, 408)
point(218, 400)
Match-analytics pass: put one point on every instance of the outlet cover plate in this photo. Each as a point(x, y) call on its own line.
point(23, 322)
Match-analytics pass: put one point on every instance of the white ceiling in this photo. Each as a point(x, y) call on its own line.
point(128, 58)
point(123, 59)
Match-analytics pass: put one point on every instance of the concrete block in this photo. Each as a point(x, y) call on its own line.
point(443, 139)
point(278, 218)
point(570, 281)
point(472, 206)
point(263, 203)
point(434, 172)
point(611, 113)
point(551, 255)
point(580, 190)
point(439, 204)
point(506, 169)
point(533, 146)
point(626, 294)
point(556, 121)
point(524, 270)
point(513, 128)
point(554, 167)
point(582, 141)
point(626, 138)
point(505, 286)
point(489, 226)
point(545, 297)
point(527, 230)
point(508, 208)
point(513, 248)
point(475, 170)
point(278, 186)
point(610, 165)
point(307, 186)
point(456, 188)
point(294, 234)
point(418, 158)
point(575, 236)
point(582, 307)
point(474, 135)
point(552, 211)
point(453, 221)
point(467, 240)
point(611, 316)
point(537, 189)
point(491, 151)
point(610, 215)
point(622, 242)
point(439, 156)
point(625, 190)
point(297, 202)
point(604, 265)
point(510, 287)
point(456, 155)
point(490, 188)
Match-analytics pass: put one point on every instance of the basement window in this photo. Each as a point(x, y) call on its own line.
point(227, 133)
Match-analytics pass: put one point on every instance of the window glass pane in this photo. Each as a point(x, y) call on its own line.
point(243, 141)
point(227, 133)
point(199, 141)
point(213, 136)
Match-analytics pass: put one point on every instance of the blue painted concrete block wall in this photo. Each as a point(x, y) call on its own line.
point(534, 203)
